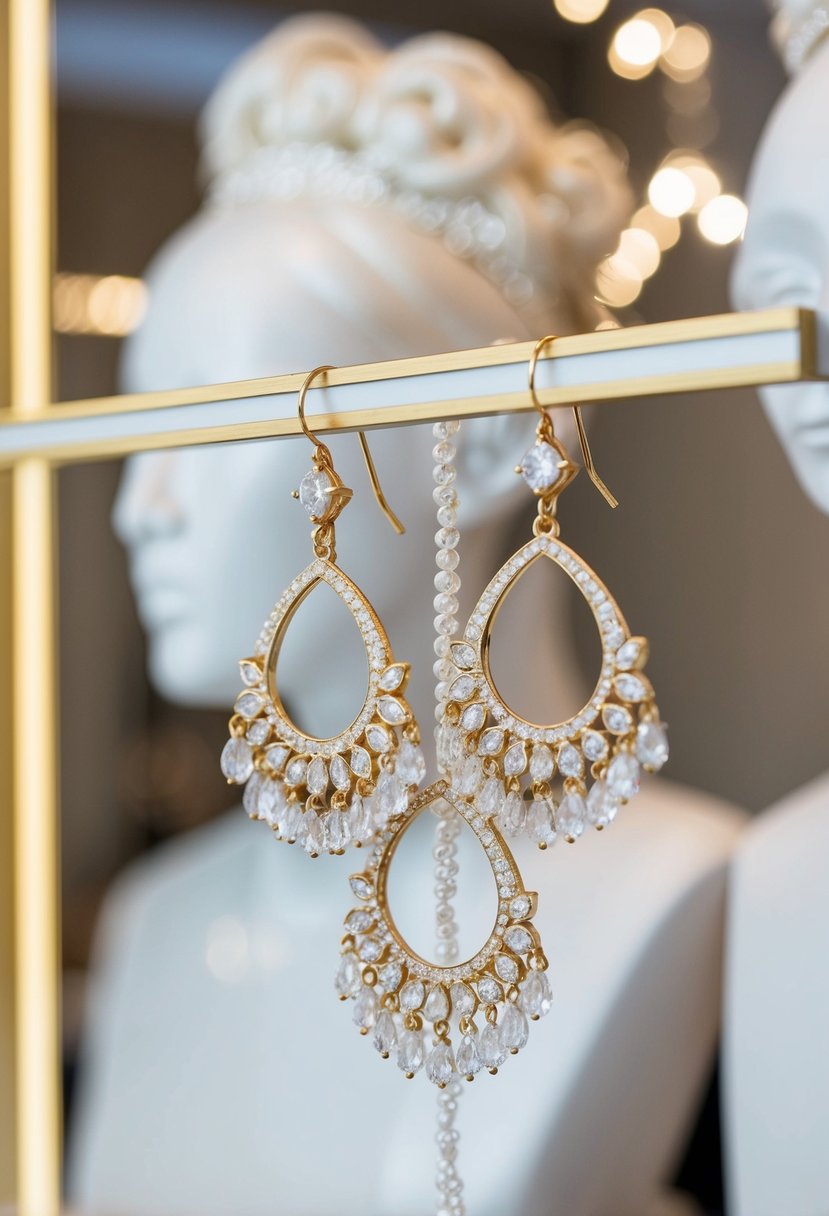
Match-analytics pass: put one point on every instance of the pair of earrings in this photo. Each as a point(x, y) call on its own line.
point(500, 773)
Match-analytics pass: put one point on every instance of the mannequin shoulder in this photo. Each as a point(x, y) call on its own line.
point(791, 837)
point(691, 819)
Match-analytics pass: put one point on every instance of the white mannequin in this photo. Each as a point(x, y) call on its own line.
point(223, 1075)
point(776, 1063)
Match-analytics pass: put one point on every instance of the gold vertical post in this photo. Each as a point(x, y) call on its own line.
point(28, 628)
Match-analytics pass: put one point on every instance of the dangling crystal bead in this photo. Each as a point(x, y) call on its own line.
point(440, 1064)
point(540, 827)
point(601, 805)
point(290, 822)
point(492, 797)
point(365, 1009)
point(410, 1051)
point(513, 815)
point(271, 800)
point(623, 776)
point(237, 760)
point(348, 980)
point(337, 833)
point(536, 997)
point(360, 821)
point(392, 795)
point(514, 1029)
point(468, 1059)
point(469, 776)
point(314, 841)
point(490, 1048)
point(250, 798)
point(652, 746)
point(411, 764)
point(385, 1034)
point(570, 816)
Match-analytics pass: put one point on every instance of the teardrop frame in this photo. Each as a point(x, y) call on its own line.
point(381, 943)
point(359, 740)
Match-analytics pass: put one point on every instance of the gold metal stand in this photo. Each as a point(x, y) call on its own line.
point(705, 353)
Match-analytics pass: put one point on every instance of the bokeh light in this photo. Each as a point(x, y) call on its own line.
point(665, 229)
point(688, 54)
point(580, 11)
point(635, 48)
point(109, 305)
point(705, 181)
point(671, 192)
point(637, 254)
point(617, 286)
point(723, 219)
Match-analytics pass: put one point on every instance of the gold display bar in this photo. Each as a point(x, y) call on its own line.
point(733, 350)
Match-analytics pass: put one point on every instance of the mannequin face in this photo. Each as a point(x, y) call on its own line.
point(785, 257)
point(212, 533)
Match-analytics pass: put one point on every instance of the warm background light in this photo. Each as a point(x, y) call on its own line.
point(671, 191)
point(723, 220)
point(580, 11)
point(638, 250)
point(637, 43)
point(615, 288)
point(687, 56)
point(109, 305)
point(665, 229)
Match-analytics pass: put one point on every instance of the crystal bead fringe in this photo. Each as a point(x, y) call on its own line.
point(447, 582)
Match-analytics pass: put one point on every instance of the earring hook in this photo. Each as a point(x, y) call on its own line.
point(548, 430)
point(324, 455)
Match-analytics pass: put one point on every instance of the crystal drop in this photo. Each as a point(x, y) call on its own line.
point(652, 746)
point(360, 819)
point(632, 688)
point(601, 805)
point(336, 831)
point(272, 800)
point(469, 776)
point(340, 776)
point(440, 1064)
point(393, 677)
point(506, 968)
point(276, 756)
point(365, 1009)
point(490, 1048)
point(463, 999)
point(540, 467)
point(570, 816)
point(315, 494)
point(314, 841)
point(295, 771)
point(237, 760)
point(392, 795)
point(540, 826)
point(250, 672)
point(515, 759)
point(623, 776)
point(362, 887)
point(536, 997)
point(520, 907)
point(392, 711)
point(360, 762)
point(514, 1029)
point(468, 1059)
point(360, 920)
point(463, 655)
point(370, 949)
point(542, 764)
point(250, 798)
point(473, 716)
point(436, 1008)
point(570, 761)
point(594, 745)
point(410, 765)
point(248, 704)
point(633, 653)
point(462, 688)
point(492, 741)
point(489, 990)
point(385, 1035)
point(390, 977)
point(410, 1051)
point(378, 737)
point(290, 823)
point(317, 776)
point(617, 719)
point(349, 978)
point(258, 731)
point(519, 939)
point(411, 995)
point(492, 797)
point(513, 816)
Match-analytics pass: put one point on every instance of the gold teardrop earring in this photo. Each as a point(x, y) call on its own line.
point(533, 777)
point(324, 793)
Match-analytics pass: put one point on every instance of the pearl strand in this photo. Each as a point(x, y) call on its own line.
point(444, 852)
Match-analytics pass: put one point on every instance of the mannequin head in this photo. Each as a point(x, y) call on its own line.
point(784, 259)
point(254, 286)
